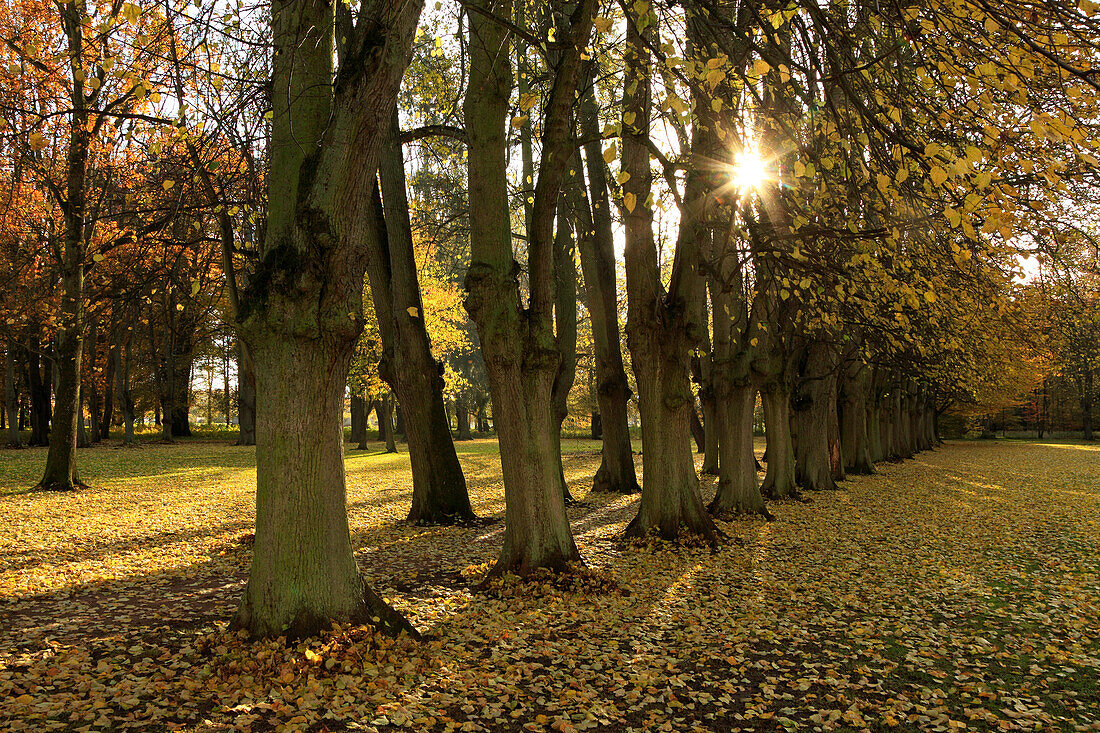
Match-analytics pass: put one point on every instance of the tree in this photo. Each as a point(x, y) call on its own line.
point(518, 343)
point(300, 314)
point(408, 366)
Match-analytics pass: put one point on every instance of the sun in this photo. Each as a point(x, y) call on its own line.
point(749, 170)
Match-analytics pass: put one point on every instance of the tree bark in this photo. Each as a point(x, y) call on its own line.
point(854, 431)
point(11, 397)
point(182, 363)
point(616, 473)
point(246, 396)
point(93, 398)
point(659, 332)
point(301, 314)
point(815, 409)
point(439, 491)
point(60, 472)
point(565, 329)
point(386, 403)
point(738, 489)
point(108, 414)
point(521, 357)
point(39, 383)
point(779, 480)
point(358, 420)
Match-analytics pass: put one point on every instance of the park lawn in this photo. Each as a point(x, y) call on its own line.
point(957, 590)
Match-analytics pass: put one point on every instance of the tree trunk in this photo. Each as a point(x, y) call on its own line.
point(874, 432)
point(39, 385)
point(358, 420)
point(616, 473)
point(738, 489)
point(565, 326)
point(303, 572)
point(11, 397)
point(108, 414)
point(658, 327)
point(439, 491)
point(82, 427)
point(387, 416)
point(481, 419)
point(326, 139)
point(246, 396)
point(595, 427)
point(125, 399)
point(462, 420)
point(854, 433)
point(709, 438)
point(181, 363)
point(378, 418)
point(94, 401)
point(60, 473)
point(163, 373)
point(814, 410)
point(779, 480)
point(902, 438)
point(520, 353)
point(1086, 406)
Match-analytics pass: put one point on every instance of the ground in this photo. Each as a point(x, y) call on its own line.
point(958, 590)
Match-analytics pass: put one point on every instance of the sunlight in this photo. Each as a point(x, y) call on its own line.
point(749, 169)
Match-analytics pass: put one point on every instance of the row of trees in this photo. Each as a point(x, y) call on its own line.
point(820, 205)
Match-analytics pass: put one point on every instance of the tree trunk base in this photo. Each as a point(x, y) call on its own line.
point(605, 483)
point(439, 518)
point(372, 611)
point(524, 566)
point(59, 485)
point(727, 513)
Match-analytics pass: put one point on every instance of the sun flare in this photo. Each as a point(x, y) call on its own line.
point(749, 169)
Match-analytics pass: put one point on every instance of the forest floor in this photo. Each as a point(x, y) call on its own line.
point(959, 590)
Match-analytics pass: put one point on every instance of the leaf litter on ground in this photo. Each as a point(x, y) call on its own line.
point(955, 591)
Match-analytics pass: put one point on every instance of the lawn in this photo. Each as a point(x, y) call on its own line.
point(958, 590)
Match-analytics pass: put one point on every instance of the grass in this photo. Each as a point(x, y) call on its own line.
point(959, 589)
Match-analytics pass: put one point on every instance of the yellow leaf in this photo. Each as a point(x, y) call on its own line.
point(630, 201)
point(167, 185)
point(602, 23)
point(939, 176)
point(519, 121)
point(412, 311)
point(610, 153)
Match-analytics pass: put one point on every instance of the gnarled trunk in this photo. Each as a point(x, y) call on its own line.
point(738, 489)
point(518, 344)
point(325, 144)
point(658, 324)
point(779, 480)
point(854, 438)
point(816, 415)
